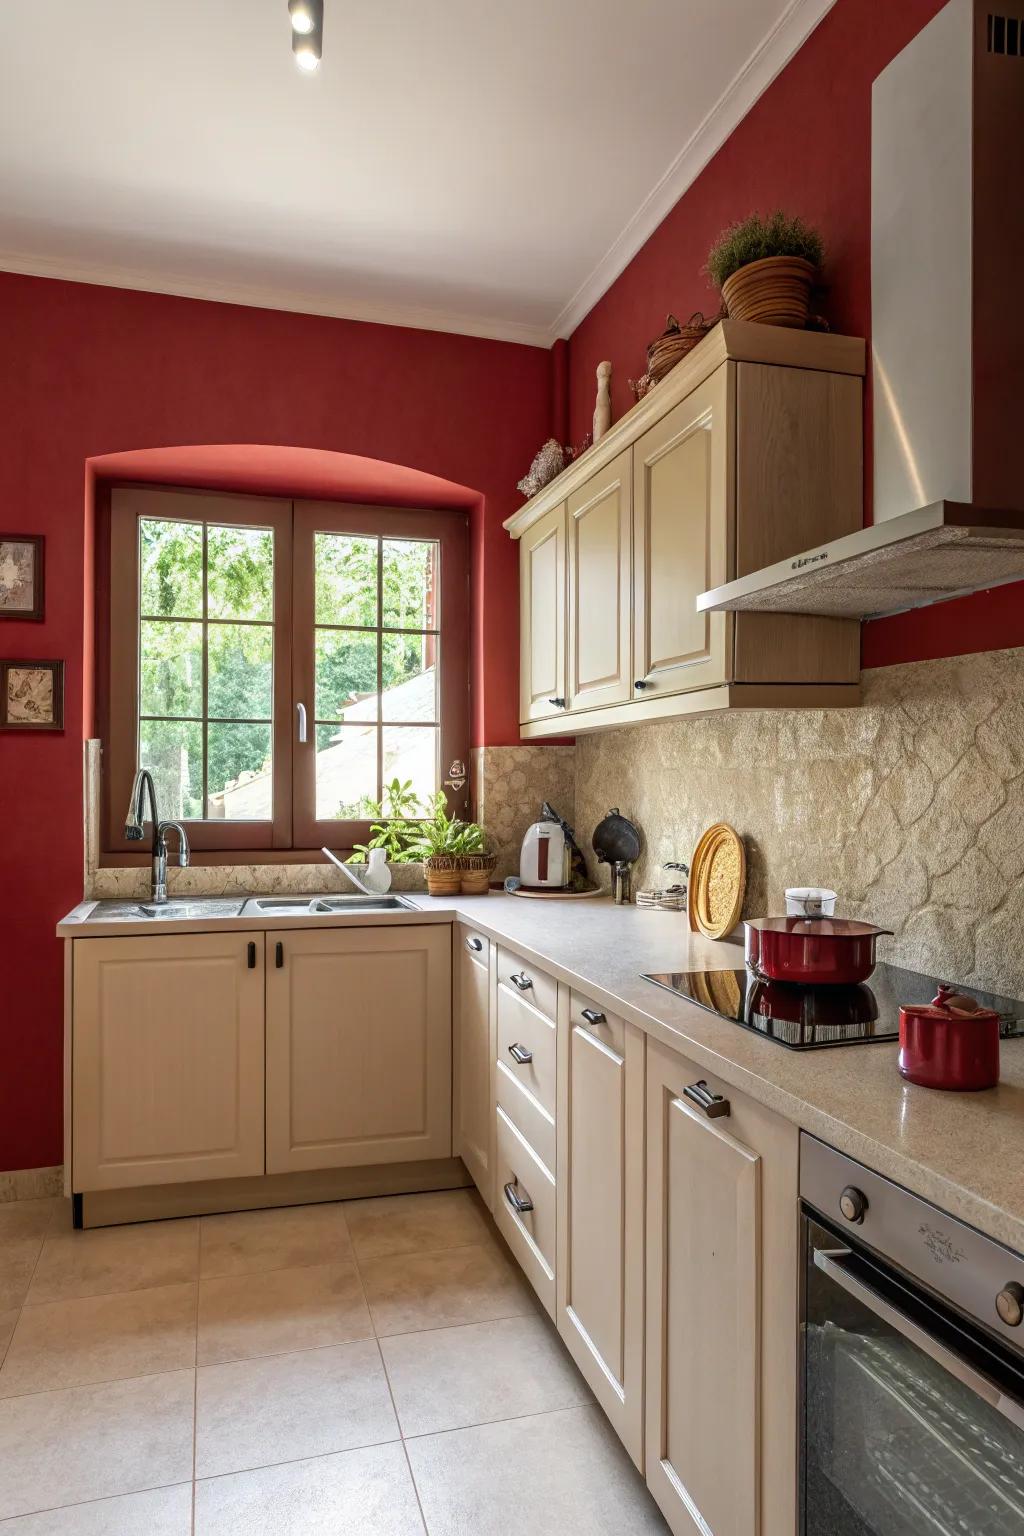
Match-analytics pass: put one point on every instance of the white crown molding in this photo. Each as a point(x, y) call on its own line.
point(791, 31)
point(292, 300)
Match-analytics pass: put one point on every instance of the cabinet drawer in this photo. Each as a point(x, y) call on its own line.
point(530, 1234)
point(526, 1113)
point(526, 1045)
point(539, 989)
point(604, 1026)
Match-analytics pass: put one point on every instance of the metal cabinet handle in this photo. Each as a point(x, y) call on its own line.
point(641, 683)
point(519, 1053)
point(522, 981)
point(475, 944)
point(713, 1104)
point(519, 1203)
point(279, 954)
point(558, 703)
point(251, 955)
point(593, 1017)
point(300, 715)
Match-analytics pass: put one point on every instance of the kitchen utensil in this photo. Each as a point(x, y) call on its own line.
point(951, 1042)
point(718, 879)
point(544, 860)
point(832, 951)
point(616, 841)
point(525, 890)
point(810, 901)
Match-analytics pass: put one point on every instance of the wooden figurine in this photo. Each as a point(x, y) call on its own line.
point(603, 406)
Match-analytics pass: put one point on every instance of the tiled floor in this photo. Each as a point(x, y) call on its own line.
point(373, 1368)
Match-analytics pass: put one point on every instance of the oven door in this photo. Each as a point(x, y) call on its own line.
point(912, 1419)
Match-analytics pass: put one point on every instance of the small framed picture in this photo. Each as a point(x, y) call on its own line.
point(21, 575)
point(31, 695)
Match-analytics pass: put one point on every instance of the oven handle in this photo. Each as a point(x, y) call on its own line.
point(829, 1261)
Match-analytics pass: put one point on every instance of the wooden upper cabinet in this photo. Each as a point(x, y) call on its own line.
point(682, 491)
point(542, 681)
point(359, 1046)
point(167, 1060)
point(600, 540)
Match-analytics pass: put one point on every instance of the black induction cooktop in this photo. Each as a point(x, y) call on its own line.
point(808, 1018)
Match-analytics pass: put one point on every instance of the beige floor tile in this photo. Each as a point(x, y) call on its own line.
point(357, 1493)
point(101, 1338)
point(110, 1259)
point(86, 1443)
point(162, 1512)
point(252, 1413)
point(26, 1218)
point(18, 1259)
point(451, 1218)
point(246, 1241)
point(538, 1476)
point(7, 1322)
point(280, 1311)
point(414, 1291)
point(453, 1377)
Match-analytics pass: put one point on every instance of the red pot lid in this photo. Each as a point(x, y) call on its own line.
point(949, 1004)
point(817, 927)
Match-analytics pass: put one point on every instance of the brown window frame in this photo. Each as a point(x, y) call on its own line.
point(294, 830)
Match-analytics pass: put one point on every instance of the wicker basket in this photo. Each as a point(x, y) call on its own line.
point(773, 291)
point(674, 343)
point(444, 877)
point(477, 869)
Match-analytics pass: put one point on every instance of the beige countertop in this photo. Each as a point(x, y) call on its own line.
point(963, 1151)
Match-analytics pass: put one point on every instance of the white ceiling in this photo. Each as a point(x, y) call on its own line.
point(484, 166)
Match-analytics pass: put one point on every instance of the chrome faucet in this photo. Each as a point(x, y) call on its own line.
point(135, 831)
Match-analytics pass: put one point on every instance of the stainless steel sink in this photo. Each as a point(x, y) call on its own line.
point(168, 911)
point(320, 906)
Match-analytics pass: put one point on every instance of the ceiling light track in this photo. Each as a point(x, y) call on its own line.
point(307, 19)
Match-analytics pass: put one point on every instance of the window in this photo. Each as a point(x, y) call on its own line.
point(274, 664)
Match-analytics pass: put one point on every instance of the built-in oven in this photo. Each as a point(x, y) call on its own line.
point(912, 1345)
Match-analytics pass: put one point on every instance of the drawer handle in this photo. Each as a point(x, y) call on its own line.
point(593, 1017)
point(522, 981)
point(475, 944)
point(251, 955)
point(558, 703)
point(520, 1055)
point(519, 1203)
point(641, 684)
point(713, 1104)
point(279, 954)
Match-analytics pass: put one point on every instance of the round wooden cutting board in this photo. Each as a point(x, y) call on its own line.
point(718, 879)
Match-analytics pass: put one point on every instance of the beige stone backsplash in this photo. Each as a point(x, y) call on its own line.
point(911, 807)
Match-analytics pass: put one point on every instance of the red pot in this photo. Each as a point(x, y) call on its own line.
point(812, 951)
point(951, 1042)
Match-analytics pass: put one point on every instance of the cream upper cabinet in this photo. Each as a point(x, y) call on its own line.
point(682, 489)
point(600, 602)
point(167, 1059)
point(722, 1279)
point(359, 1036)
point(600, 1268)
point(474, 1057)
point(542, 620)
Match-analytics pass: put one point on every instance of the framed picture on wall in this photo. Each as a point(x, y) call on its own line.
point(31, 695)
point(21, 575)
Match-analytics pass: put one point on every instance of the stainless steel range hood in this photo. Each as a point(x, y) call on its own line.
point(947, 229)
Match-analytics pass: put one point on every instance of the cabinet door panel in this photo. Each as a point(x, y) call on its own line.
point(600, 538)
point(475, 1062)
point(167, 1060)
point(542, 617)
point(682, 497)
point(359, 1048)
point(600, 1201)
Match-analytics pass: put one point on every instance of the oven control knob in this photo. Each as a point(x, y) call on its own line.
point(1010, 1304)
point(853, 1203)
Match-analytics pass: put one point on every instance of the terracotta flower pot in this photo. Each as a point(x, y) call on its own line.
point(773, 291)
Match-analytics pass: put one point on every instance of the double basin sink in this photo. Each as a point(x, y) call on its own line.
point(185, 908)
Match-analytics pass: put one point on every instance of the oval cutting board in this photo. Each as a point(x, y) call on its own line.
point(718, 879)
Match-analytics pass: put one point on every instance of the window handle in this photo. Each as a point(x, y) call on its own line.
point(300, 713)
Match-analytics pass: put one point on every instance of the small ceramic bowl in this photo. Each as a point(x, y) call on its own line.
point(810, 901)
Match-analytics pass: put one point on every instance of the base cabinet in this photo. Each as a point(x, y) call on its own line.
point(474, 1129)
point(167, 1060)
point(600, 1267)
point(721, 1307)
point(359, 1047)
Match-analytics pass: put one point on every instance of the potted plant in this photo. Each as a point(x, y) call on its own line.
point(765, 268)
point(449, 849)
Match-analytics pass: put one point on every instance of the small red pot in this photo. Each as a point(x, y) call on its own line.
point(950, 1043)
point(812, 951)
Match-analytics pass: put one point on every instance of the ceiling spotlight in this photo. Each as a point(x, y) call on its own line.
point(307, 50)
point(306, 15)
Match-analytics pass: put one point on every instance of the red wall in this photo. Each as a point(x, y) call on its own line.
point(89, 371)
point(805, 146)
